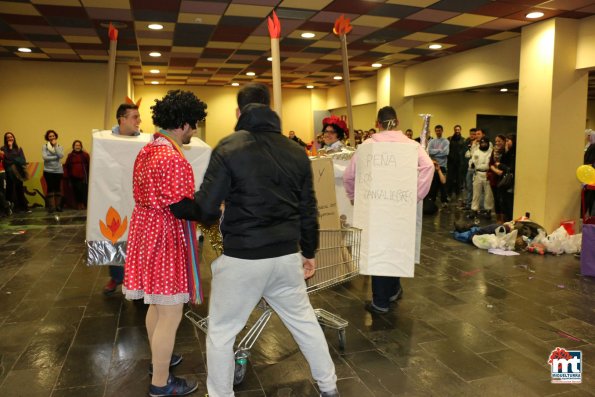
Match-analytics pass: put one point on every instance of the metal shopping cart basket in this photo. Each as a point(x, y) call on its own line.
point(337, 261)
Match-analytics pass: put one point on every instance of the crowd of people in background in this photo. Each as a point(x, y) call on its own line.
point(57, 176)
point(474, 171)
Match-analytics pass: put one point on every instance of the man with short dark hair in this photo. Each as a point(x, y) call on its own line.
point(270, 234)
point(295, 138)
point(438, 149)
point(454, 182)
point(129, 120)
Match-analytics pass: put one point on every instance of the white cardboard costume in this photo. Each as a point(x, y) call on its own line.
point(110, 202)
point(386, 208)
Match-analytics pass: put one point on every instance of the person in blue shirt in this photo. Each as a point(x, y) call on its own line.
point(438, 149)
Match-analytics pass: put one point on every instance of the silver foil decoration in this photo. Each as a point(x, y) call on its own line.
point(346, 153)
point(425, 130)
point(106, 253)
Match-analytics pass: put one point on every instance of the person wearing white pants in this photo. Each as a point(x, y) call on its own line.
point(270, 235)
point(481, 163)
point(281, 282)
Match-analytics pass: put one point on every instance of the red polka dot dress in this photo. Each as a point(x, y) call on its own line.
point(156, 253)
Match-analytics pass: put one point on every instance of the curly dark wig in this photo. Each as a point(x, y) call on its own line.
point(178, 108)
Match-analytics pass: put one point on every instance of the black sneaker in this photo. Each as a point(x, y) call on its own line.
point(396, 296)
point(372, 308)
point(175, 387)
point(175, 360)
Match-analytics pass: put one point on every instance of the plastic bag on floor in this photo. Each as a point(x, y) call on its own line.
point(572, 244)
point(555, 240)
point(500, 240)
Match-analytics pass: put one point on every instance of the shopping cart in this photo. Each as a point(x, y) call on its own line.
point(337, 261)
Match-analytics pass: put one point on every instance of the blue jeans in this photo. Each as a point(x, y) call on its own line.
point(117, 273)
point(383, 287)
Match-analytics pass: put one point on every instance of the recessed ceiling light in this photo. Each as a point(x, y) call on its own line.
point(24, 49)
point(235, 84)
point(534, 15)
point(155, 26)
point(376, 65)
point(250, 74)
point(154, 71)
point(338, 77)
point(154, 82)
point(435, 46)
point(308, 35)
point(503, 89)
point(309, 86)
point(270, 59)
point(155, 54)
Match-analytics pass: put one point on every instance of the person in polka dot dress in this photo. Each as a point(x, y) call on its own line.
point(157, 251)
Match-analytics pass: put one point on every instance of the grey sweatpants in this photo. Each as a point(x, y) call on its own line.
point(237, 287)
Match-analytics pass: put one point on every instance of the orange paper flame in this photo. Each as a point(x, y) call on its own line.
point(274, 26)
point(130, 101)
point(114, 227)
point(342, 26)
point(112, 33)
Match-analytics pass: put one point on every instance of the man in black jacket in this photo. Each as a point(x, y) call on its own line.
point(270, 234)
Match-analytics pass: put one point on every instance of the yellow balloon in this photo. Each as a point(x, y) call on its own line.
point(586, 174)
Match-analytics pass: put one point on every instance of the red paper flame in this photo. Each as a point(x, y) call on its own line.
point(112, 33)
point(342, 26)
point(130, 101)
point(274, 26)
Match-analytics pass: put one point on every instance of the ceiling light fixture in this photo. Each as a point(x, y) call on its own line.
point(24, 49)
point(308, 35)
point(250, 74)
point(435, 46)
point(338, 77)
point(154, 71)
point(534, 15)
point(376, 65)
point(154, 82)
point(155, 54)
point(309, 86)
point(155, 26)
point(235, 84)
point(270, 59)
point(503, 89)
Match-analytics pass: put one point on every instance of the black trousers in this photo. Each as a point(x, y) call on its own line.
point(80, 188)
point(53, 181)
point(383, 287)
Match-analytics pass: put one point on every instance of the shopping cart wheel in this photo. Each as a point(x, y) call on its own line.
point(342, 339)
point(241, 367)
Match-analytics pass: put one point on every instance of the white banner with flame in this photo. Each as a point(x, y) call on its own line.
point(110, 201)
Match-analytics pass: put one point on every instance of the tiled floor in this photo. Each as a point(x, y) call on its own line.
point(469, 324)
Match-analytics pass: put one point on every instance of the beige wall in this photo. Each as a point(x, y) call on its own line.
point(364, 116)
point(221, 107)
point(67, 97)
point(460, 108)
point(585, 51)
point(495, 63)
point(362, 92)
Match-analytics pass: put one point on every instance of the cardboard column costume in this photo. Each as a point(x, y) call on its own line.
point(110, 202)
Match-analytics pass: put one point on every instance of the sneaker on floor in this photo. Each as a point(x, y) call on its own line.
point(110, 287)
point(396, 296)
point(372, 308)
point(175, 387)
point(334, 393)
point(175, 360)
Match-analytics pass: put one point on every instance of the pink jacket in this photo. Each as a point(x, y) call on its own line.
point(425, 167)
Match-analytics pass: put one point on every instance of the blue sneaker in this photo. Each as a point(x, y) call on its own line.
point(175, 387)
point(175, 360)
